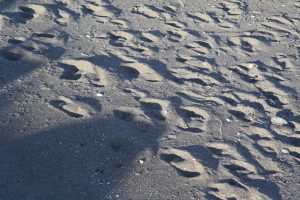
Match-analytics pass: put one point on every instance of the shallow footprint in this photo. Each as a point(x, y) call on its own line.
point(131, 113)
point(69, 107)
point(13, 53)
point(63, 18)
point(156, 108)
point(97, 10)
point(31, 11)
point(145, 11)
point(185, 164)
point(140, 70)
point(77, 69)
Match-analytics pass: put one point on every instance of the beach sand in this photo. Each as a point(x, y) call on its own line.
point(146, 100)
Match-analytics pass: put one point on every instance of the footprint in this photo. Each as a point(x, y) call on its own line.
point(201, 17)
point(274, 96)
point(258, 133)
point(17, 40)
point(273, 26)
point(250, 44)
point(33, 8)
point(294, 151)
point(134, 116)
point(197, 98)
point(139, 48)
point(190, 76)
point(80, 69)
point(13, 53)
point(156, 108)
point(295, 125)
point(195, 119)
point(284, 62)
point(233, 9)
point(250, 76)
point(224, 150)
point(149, 37)
point(31, 11)
point(63, 18)
point(203, 47)
point(227, 25)
point(135, 93)
point(200, 64)
point(170, 8)
point(122, 57)
point(184, 163)
point(124, 114)
point(29, 45)
point(265, 163)
point(97, 10)
point(183, 58)
point(25, 44)
point(195, 112)
point(175, 24)
point(232, 189)
point(143, 71)
point(69, 107)
point(119, 22)
point(121, 35)
point(63, 2)
point(240, 167)
point(243, 113)
point(176, 35)
point(269, 147)
point(145, 11)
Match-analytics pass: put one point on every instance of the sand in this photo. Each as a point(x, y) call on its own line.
point(173, 99)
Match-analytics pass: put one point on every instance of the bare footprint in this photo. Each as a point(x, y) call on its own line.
point(69, 107)
point(31, 11)
point(77, 69)
point(156, 108)
point(63, 18)
point(184, 163)
point(143, 71)
point(97, 10)
point(145, 11)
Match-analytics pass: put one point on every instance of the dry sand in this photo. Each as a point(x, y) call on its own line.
point(161, 99)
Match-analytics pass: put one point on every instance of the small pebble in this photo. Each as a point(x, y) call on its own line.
point(141, 162)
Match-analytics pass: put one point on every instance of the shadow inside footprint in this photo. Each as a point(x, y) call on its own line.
point(13, 54)
point(44, 35)
point(172, 158)
point(184, 167)
point(126, 116)
point(70, 72)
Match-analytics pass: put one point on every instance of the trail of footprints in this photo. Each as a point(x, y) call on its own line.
point(253, 93)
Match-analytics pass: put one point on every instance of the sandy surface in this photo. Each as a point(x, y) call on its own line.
point(161, 99)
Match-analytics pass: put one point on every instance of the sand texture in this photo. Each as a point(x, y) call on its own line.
point(149, 100)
